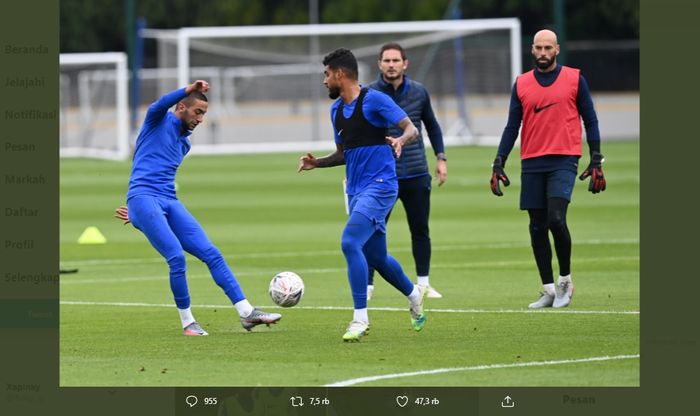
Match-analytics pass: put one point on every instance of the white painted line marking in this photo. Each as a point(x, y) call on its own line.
point(268, 254)
point(348, 308)
point(354, 381)
point(76, 280)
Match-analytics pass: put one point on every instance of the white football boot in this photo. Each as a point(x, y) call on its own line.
point(564, 291)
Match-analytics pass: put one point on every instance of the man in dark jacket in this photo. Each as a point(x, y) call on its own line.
point(412, 166)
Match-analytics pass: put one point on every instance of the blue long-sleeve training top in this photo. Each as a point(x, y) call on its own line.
point(160, 148)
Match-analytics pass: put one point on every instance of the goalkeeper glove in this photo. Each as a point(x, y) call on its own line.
point(498, 175)
point(595, 171)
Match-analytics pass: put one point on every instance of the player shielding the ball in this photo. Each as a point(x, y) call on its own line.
point(360, 117)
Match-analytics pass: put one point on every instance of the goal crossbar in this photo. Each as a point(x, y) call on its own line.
point(463, 26)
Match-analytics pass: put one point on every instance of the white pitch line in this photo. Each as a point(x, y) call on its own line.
point(73, 280)
point(354, 381)
point(348, 308)
point(268, 254)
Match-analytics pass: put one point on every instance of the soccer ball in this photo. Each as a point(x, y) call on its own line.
point(286, 289)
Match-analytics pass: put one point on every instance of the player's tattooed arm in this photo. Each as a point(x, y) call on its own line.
point(309, 161)
point(410, 132)
point(336, 158)
point(331, 160)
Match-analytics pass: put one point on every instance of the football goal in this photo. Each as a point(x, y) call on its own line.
point(93, 105)
point(266, 81)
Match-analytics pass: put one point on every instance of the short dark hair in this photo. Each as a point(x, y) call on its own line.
point(393, 46)
point(195, 95)
point(342, 58)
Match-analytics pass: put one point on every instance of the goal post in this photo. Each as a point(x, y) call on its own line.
point(271, 97)
point(93, 105)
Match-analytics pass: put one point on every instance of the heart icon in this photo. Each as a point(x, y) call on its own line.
point(401, 400)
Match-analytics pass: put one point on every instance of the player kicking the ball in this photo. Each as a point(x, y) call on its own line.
point(360, 117)
point(153, 207)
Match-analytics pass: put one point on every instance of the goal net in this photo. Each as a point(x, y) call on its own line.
point(93, 105)
point(266, 81)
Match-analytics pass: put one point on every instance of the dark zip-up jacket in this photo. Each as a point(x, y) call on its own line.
point(415, 101)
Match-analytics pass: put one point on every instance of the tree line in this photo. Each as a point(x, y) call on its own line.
point(100, 25)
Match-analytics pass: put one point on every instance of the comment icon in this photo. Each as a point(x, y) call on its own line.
point(191, 400)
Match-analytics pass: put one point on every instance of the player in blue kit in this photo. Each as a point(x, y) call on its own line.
point(360, 118)
point(154, 209)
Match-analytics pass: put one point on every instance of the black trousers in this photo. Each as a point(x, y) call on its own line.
point(542, 222)
point(414, 194)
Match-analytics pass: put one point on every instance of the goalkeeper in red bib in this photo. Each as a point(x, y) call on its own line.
point(550, 101)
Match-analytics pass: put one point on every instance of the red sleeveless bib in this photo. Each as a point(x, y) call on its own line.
point(551, 121)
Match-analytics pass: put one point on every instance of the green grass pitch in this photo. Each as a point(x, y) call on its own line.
point(119, 326)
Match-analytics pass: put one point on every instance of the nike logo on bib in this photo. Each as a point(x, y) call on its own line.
point(538, 109)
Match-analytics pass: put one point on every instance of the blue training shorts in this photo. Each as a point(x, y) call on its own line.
point(375, 203)
point(537, 187)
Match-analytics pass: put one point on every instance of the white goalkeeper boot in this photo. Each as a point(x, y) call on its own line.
point(564, 291)
point(545, 301)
